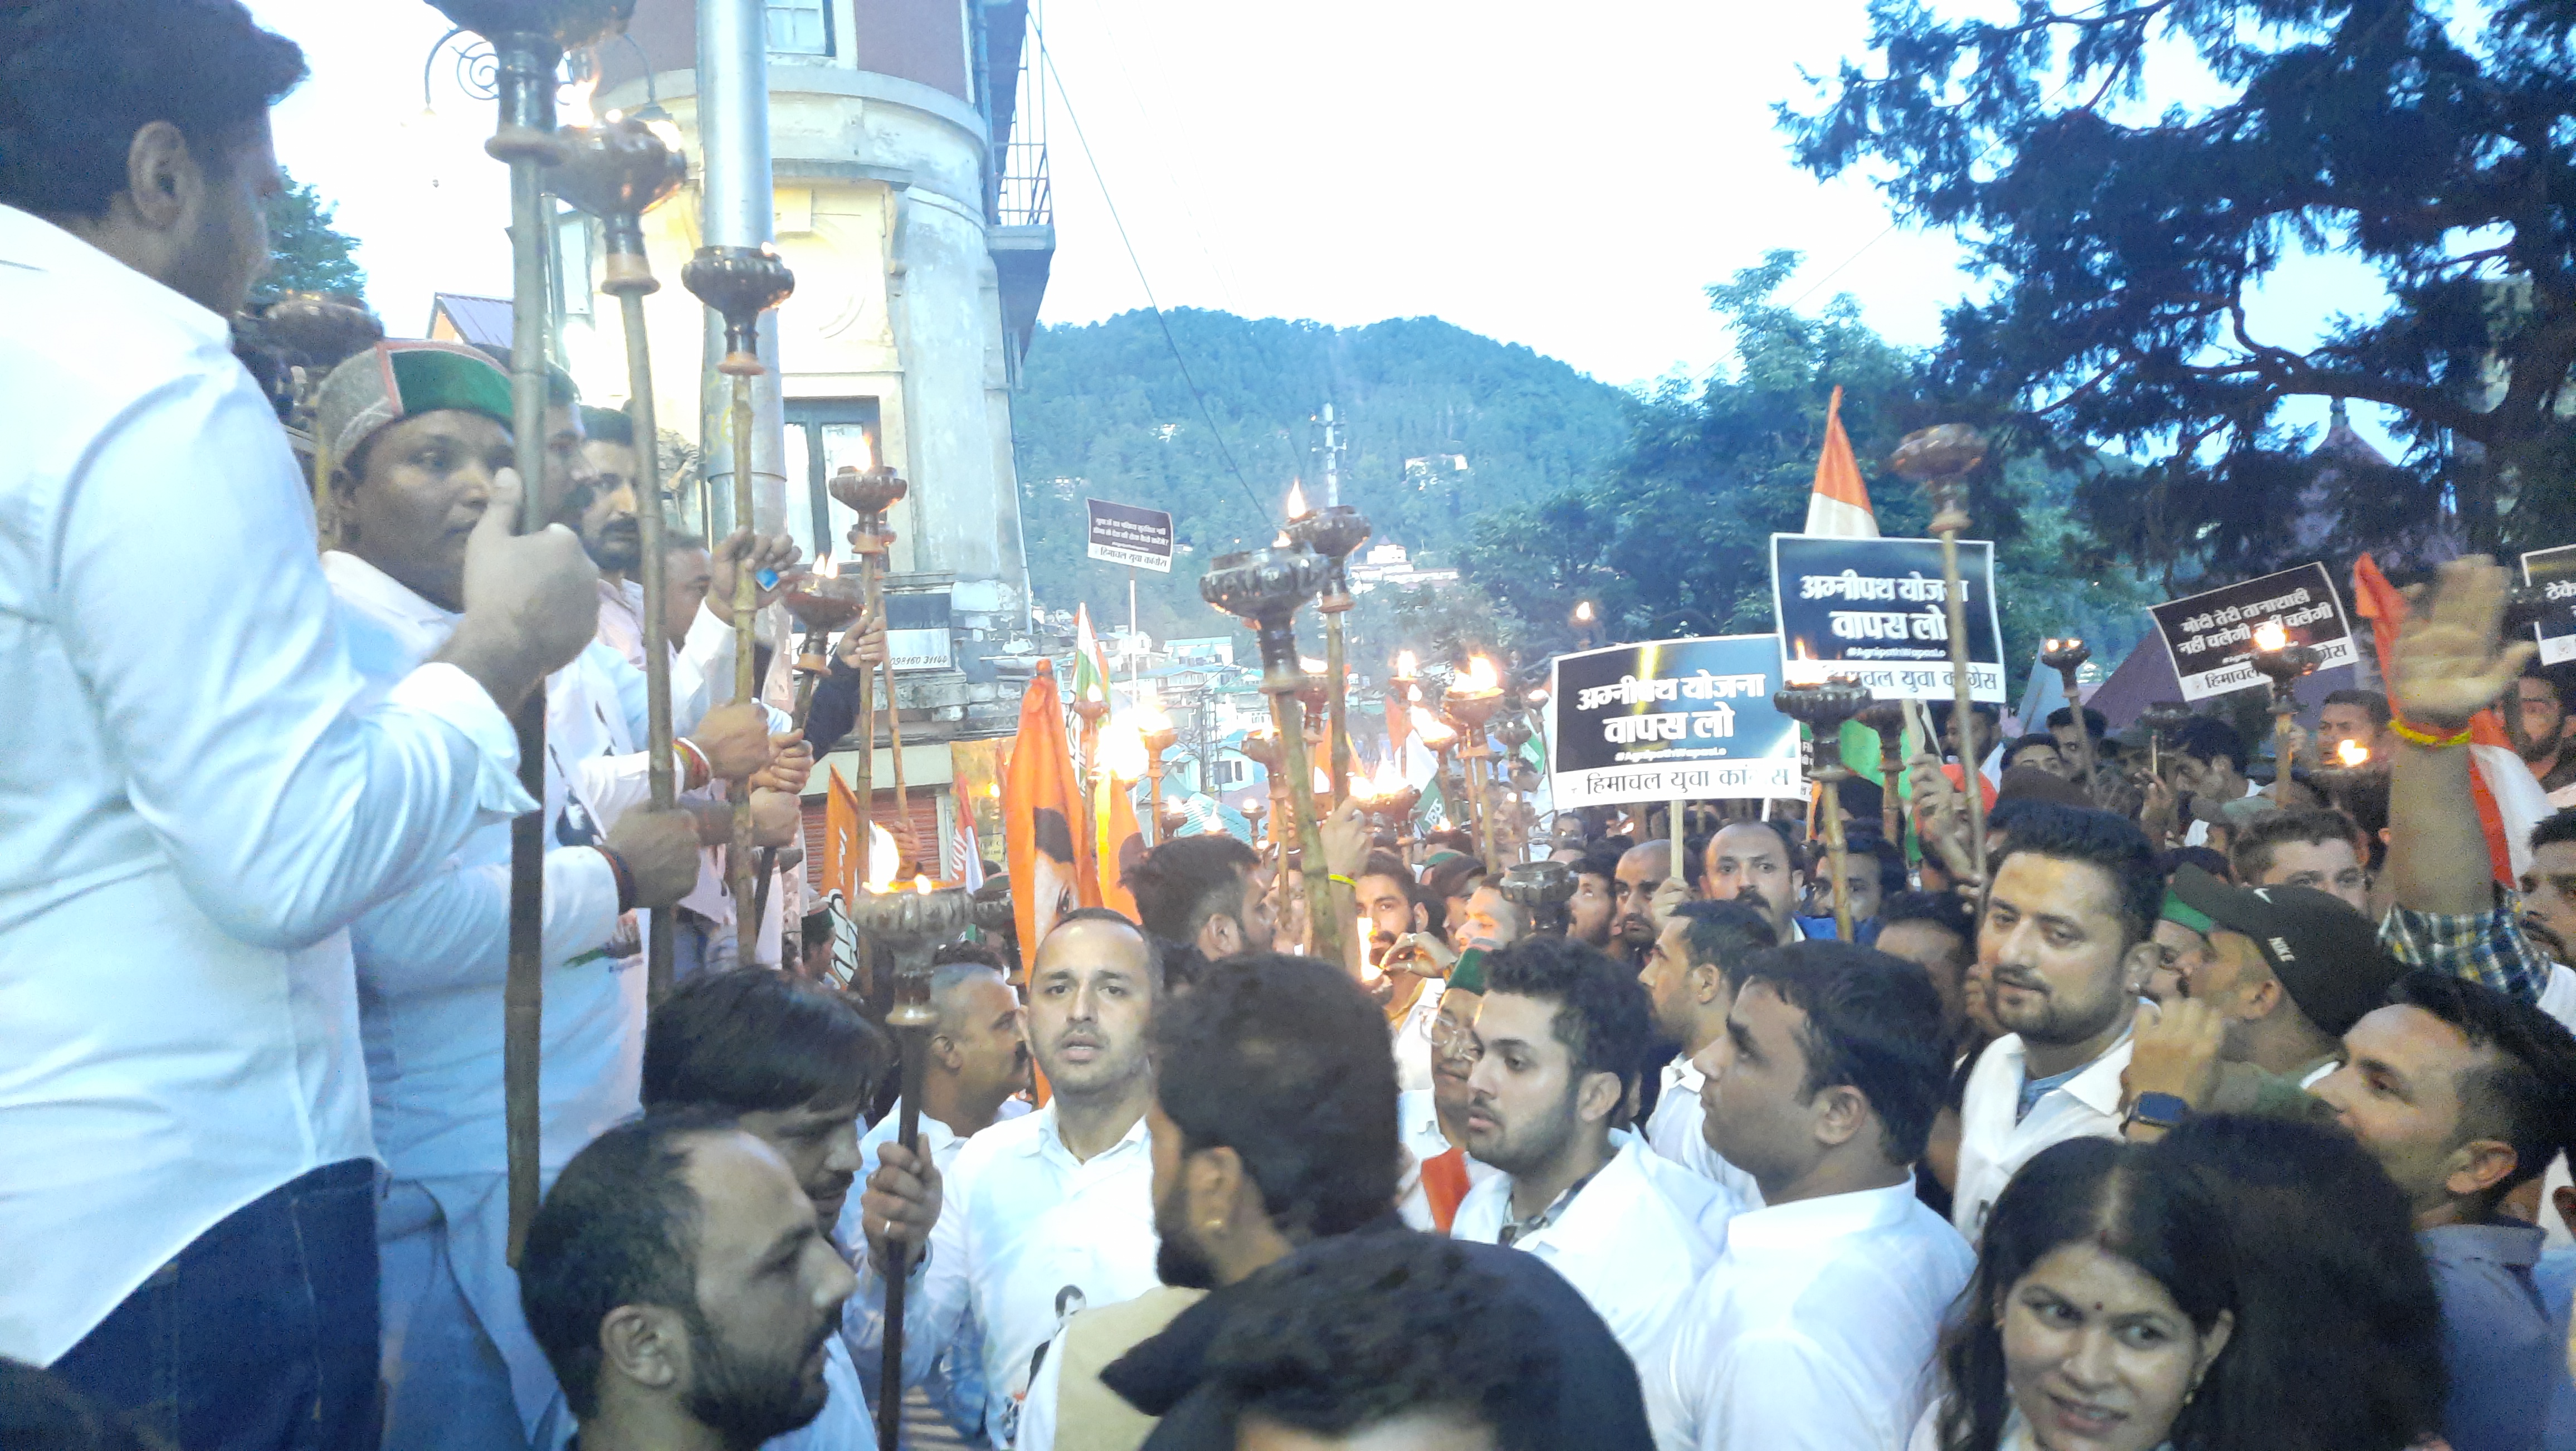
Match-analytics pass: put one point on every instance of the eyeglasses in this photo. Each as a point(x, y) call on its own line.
point(1453, 1039)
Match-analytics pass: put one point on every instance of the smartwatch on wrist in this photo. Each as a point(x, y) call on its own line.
point(2158, 1110)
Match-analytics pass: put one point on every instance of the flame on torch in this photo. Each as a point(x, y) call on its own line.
point(1297, 508)
point(2352, 753)
point(1481, 677)
point(2271, 636)
point(1405, 665)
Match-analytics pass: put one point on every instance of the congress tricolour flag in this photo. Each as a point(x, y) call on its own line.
point(1840, 504)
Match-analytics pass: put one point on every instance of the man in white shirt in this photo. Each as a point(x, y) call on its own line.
point(794, 1064)
point(684, 1289)
point(195, 805)
point(1753, 859)
point(1043, 1215)
point(1389, 897)
point(1688, 981)
point(2066, 941)
point(1563, 1030)
point(978, 1061)
point(1817, 1326)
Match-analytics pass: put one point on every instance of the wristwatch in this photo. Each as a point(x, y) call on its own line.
point(2158, 1110)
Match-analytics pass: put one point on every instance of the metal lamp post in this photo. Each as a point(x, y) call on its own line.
point(1824, 706)
point(1333, 532)
point(1939, 459)
point(1540, 890)
point(528, 40)
point(869, 493)
point(2282, 663)
point(1265, 587)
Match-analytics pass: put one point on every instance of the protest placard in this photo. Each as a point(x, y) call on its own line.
point(1686, 720)
point(1125, 534)
point(2553, 573)
point(1876, 611)
point(2212, 634)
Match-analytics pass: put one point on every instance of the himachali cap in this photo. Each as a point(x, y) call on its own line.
point(393, 381)
point(2326, 955)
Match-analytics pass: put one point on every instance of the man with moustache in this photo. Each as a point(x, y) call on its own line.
point(683, 1289)
point(1753, 859)
point(793, 1065)
point(1410, 983)
point(1563, 1031)
point(2066, 939)
point(1040, 1216)
point(1689, 982)
point(1642, 868)
point(1592, 913)
point(609, 533)
point(1205, 898)
point(978, 1061)
point(1272, 1139)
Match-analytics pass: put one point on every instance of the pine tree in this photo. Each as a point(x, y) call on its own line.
point(306, 252)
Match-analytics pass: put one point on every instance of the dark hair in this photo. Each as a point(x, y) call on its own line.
point(1455, 877)
point(619, 1227)
point(2208, 859)
point(1156, 970)
point(2035, 738)
point(2339, 1336)
point(1942, 909)
point(2096, 724)
point(1360, 1330)
point(1387, 864)
point(40, 1411)
point(1873, 1022)
point(1603, 1016)
point(1456, 839)
point(755, 1040)
point(1891, 858)
point(2132, 1202)
point(2250, 852)
point(2555, 828)
point(2205, 738)
point(2365, 800)
point(2112, 843)
point(79, 77)
point(1726, 934)
point(1599, 861)
point(1283, 1060)
point(2371, 701)
point(1185, 881)
point(608, 425)
point(2527, 1096)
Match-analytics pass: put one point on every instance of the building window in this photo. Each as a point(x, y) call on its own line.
point(800, 27)
point(574, 278)
point(1229, 773)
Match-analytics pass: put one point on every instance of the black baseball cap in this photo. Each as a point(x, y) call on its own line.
point(2326, 954)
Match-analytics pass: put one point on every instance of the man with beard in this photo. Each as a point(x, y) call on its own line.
point(1592, 913)
point(1753, 860)
point(978, 1062)
point(683, 1288)
point(1641, 869)
point(1408, 985)
point(608, 529)
point(1204, 898)
point(2549, 907)
point(1045, 1214)
point(2539, 723)
point(2066, 939)
point(793, 1064)
point(1564, 1030)
point(1689, 982)
point(1273, 1137)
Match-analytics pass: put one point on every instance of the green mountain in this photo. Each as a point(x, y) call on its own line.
point(1440, 426)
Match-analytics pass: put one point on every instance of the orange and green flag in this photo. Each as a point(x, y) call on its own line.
point(1046, 847)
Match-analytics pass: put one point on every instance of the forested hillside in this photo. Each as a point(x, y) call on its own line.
point(1105, 413)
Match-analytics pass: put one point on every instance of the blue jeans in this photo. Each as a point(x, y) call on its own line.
point(261, 1334)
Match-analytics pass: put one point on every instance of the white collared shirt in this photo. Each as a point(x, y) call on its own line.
point(1412, 1038)
point(1816, 1328)
point(1992, 1147)
point(1027, 1235)
point(1622, 1244)
point(1417, 1124)
point(193, 806)
point(1675, 1130)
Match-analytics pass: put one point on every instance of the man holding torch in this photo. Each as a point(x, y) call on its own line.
point(196, 813)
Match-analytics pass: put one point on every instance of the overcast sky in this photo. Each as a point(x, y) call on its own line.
point(1570, 178)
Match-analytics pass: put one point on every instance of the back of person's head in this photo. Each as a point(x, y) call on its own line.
point(2096, 724)
point(2525, 1094)
point(1454, 839)
point(2340, 1335)
point(1283, 1060)
point(754, 1040)
point(2255, 843)
point(1873, 1023)
point(1185, 881)
point(1356, 1333)
point(2206, 738)
point(40, 1411)
point(2021, 743)
point(2208, 859)
point(608, 425)
point(1455, 877)
point(1603, 1016)
point(1944, 910)
point(2101, 839)
point(619, 1227)
point(2374, 704)
point(1726, 934)
point(79, 77)
point(2149, 1210)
